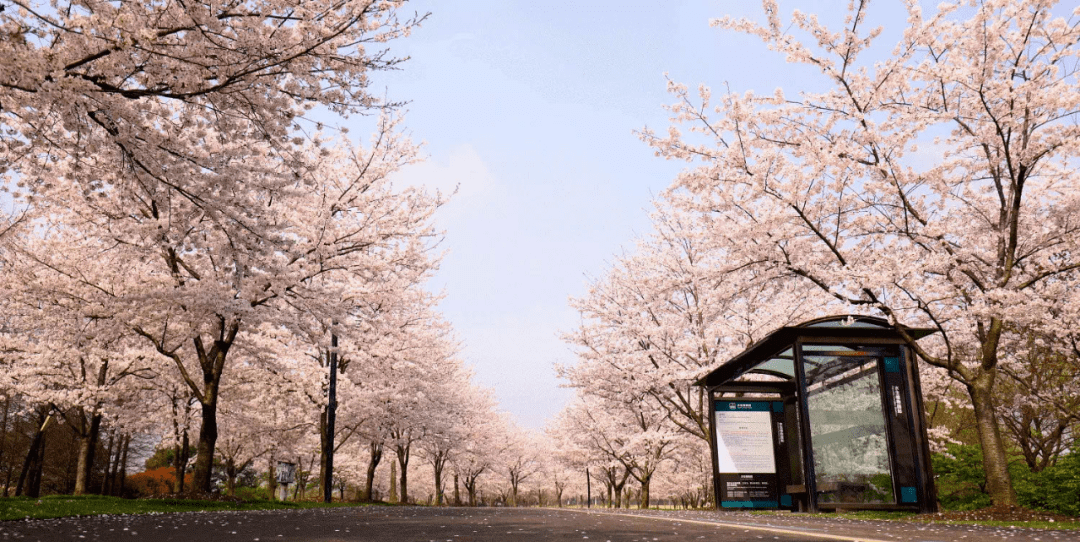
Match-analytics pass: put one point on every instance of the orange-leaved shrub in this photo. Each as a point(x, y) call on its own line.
point(155, 482)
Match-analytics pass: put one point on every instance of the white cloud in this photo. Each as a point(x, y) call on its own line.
point(460, 174)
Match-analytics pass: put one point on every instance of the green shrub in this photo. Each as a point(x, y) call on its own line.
point(1055, 489)
point(960, 479)
point(961, 482)
point(253, 493)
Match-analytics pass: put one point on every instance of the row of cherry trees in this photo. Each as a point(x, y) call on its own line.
point(935, 186)
point(184, 236)
point(660, 318)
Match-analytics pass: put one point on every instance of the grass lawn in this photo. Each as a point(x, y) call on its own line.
point(911, 516)
point(1070, 524)
point(56, 506)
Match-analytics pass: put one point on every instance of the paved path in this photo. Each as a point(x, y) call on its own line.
point(381, 524)
point(885, 531)
point(407, 524)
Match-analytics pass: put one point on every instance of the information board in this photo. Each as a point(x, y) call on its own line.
point(744, 439)
point(746, 454)
point(286, 472)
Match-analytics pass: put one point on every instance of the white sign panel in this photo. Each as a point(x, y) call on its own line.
point(286, 472)
point(744, 442)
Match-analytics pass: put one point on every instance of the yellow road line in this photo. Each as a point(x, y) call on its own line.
point(736, 526)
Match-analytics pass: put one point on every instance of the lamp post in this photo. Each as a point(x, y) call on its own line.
point(331, 414)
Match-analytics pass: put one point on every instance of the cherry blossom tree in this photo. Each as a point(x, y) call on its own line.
point(373, 436)
point(176, 404)
point(377, 394)
point(936, 186)
point(442, 434)
point(145, 86)
point(1039, 398)
point(686, 480)
point(485, 440)
point(169, 137)
point(381, 330)
point(260, 413)
point(565, 479)
point(520, 461)
point(635, 435)
point(570, 452)
point(65, 353)
point(192, 289)
point(407, 383)
point(461, 411)
point(665, 315)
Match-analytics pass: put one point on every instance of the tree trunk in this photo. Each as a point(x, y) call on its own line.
point(107, 478)
point(31, 454)
point(471, 490)
point(438, 465)
point(230, 477)
point(307, 476)
point(123, 465)
point(373, 464)
point(457, 492)
point(212, 363)
point(271, 479)
point(301, 479)
point(393, 482)
point(3, 440)
point(113, 473)
point(177, 469)
point(108, 460)
point(68, 481)
point(88, 438)
point(995, 462)
point(403, 462)
point(34, 489)
point(181, 466)
point(644, 502)
point(204, 457)
point(324, 452)
point(619, 497)
point(7, 479)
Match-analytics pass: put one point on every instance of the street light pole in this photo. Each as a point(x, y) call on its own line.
point(331, 415)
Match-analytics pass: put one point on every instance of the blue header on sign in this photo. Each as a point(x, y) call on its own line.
point(892, 365)
point(742, 406)
point(749, 504)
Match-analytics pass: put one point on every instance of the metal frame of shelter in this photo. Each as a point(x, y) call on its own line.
point(840, 401)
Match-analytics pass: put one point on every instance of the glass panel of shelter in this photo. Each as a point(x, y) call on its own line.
point(848, 428)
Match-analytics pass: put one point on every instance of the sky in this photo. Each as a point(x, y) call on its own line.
point(529, 110)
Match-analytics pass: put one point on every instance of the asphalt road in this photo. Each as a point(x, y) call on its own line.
point(385, 524)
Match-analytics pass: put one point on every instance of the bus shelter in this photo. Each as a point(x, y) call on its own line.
point(821, 416)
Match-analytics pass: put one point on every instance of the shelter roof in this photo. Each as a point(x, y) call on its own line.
point(845, 329)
